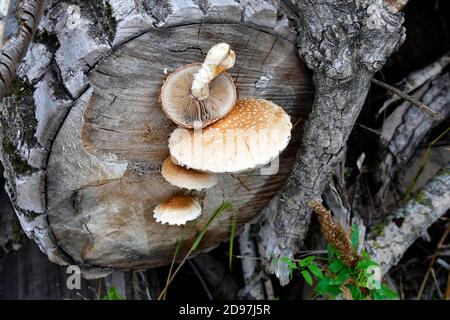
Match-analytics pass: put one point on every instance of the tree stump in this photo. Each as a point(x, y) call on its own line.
point(100, 180)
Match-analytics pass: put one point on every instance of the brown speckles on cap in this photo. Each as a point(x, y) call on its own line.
point(177, 202)
point(177, 210)
point(253, 114)
point(252, 135)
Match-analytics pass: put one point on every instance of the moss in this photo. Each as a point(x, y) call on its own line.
point(378, 229)
point(47, 38)
point(17, 114)
point(420, 198)
point(18, 164)
point(102, 13)
point(446, 172)
point(20, 88)
point(111, 20)
point(17, 233)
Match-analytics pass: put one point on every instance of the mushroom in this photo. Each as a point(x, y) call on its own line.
point(197, 95)
point(177, 210)
point(187, 178)
point(251, 135)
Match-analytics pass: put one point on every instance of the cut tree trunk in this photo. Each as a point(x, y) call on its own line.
point(83, 135)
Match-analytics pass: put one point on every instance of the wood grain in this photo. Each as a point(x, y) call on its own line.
point(106, 158)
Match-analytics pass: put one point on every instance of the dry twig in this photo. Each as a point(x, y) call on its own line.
point(405, 96)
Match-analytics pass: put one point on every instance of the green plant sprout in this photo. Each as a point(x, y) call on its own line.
point(113, 294)
point(171, 276)
point(336, 279)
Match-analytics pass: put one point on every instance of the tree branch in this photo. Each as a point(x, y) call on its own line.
point(411, 220)
point(405, 128)
point(344, 45)
point(15, 46)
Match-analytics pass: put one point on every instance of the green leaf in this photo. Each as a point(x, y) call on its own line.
point(343, 275)
point(356, 292)
point(304, 262)
point(377, 295)
point(365, 263)
point(232, 234)
point(355, 236)
point(174, 258)
point(224, 207)
point(315, 270)
point(291, 264)
point(307, 276)
point(322, 285)
point(333, 290)
point(113, 294)
point(336, 266)
point(331, 251)
point(388, 293)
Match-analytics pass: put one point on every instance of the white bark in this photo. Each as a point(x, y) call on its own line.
point(411, 221)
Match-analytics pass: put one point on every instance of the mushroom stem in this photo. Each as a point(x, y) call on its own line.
point(219, 59)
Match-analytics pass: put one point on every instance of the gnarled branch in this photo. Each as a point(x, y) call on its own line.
point(344, 45)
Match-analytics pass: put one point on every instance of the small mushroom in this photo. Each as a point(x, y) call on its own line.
point(187, 178)
point(251, 135)
point(177, 210)
point(197, 95)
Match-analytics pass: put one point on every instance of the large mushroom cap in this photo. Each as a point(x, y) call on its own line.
point(252, 135)
point(187, 178)
point(184, 109)
point(177, 210)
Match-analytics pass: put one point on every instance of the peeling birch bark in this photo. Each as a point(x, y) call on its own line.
point(18, 24)
point(344, 45)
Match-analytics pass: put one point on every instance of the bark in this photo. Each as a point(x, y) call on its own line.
point(406, 127)
point(344, 45)
point(83, 135)
point(411, 221)
point(17, 27)
point(258, 285)
point(418, 78)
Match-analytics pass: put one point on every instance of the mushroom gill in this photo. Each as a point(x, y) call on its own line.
point(196, 95)
point(187, 178)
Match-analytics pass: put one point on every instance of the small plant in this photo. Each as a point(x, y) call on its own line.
point(171, 276)
point(335, 278)
point(113, 294)
point(345, 273)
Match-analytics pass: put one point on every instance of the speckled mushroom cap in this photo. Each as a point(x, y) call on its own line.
point(177, 210)
point(184, 109)
point(187, 178)
point(250, 136)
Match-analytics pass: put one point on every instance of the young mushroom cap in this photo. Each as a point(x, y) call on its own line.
point(184, 109)
point(187, 178)
point(177, 210)
point(250, 136)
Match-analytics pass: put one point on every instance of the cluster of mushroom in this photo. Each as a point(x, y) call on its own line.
point(217, 133)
